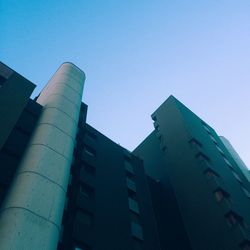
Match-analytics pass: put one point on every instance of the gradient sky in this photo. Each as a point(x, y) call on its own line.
point(135, 53)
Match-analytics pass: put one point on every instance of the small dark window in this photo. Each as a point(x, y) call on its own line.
point(211, 174)
point(195, 143)
point(245, 191)
point(2, 80)
point(90, 135)
point(136, 230)
point(86, 190)
point(129, 167)
point(84, 217)
point(137, 244)
point(201, 156)
point(88, 168)
point(236, 176)
point(90, 151)
point(220, 195)
point(131, 184)
point(133, 205)
point(234, 219)
point(131, 194)
point(134, 217)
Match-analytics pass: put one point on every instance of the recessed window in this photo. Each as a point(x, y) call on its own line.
point(133, 205)
point(2, 80)
point(86, 190)
point(202, 157)
point(220, 195)
point(131, 184)
point(227, 161)
point(234, 219)
point(90, 151)
point(157, 127)
point(84, 217)
point(90, 135)
point(246, 192)
point(236, 176)
point(134, 217)
point(88, 169)
point(195, 143)
point(136, 230)
point(210, 173)
point(154, 118)
point(131, 194)
point(129, 167)
point(220, 150)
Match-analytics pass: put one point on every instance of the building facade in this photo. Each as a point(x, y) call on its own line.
point(64, 185)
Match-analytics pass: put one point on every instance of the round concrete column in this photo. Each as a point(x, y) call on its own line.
point(32, 212)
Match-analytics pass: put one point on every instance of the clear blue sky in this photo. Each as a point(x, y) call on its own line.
point(136, 53)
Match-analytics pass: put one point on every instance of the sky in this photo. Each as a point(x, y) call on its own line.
point(136, 53)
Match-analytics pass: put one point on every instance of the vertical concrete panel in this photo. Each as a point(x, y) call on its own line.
point(31, 215)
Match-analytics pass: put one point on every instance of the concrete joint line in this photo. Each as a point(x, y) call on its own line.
point(52, 125)
point(64, 98)
point(42, 176)
point(75, 90)
point(62, 112)
point(28, 210)
point(46, 146)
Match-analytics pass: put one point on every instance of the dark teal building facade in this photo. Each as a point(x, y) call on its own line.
point(179, 189)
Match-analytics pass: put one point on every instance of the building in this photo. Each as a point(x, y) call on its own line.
point(64, 185)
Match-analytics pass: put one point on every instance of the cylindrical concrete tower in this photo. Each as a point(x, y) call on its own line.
point(31, 215)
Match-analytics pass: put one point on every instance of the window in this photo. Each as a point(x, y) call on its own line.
point(90, 135)
point(88, 169)
point(236, 176)
point(220, 195)
point(129, 167)
point(86, 190)
point(136, 230)
point(234, 219)
point(131, 194)
point(2, 80)
point(137, 244)
point(227, 161)
point(219, 149)
point(211, 174)
point(246, 192)
point(195, 143)
point(134, 217)
point(131, 184)
point(90, 151)
point(213, 139)
point(202, 157)
point(156, 127)
point(133, 205)
point(84, 217)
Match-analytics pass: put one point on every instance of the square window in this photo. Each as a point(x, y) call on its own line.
point(131, 194)
point(90, 135)
point(84, 217)
point(90, 151)
point(195, 143)
point(86, 190)
point(133, 205)
point(234, 219)
point(88, 168)
point(136, 230)
point(220, 195)
point(131, 184)
point(211, 174)
point(246, 192)
point(202, 157)
point(129, 167)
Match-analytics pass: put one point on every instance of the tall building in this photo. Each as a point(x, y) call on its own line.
point(64, 185)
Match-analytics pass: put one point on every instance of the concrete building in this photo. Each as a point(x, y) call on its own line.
point(64, 185)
